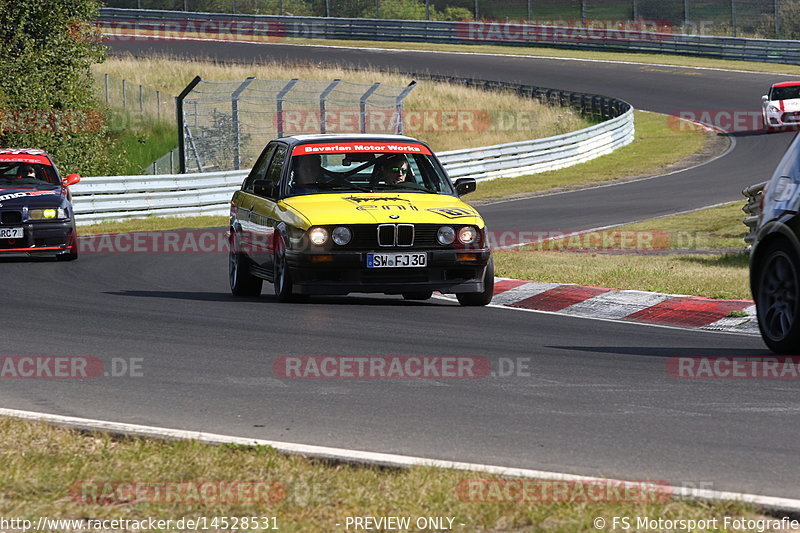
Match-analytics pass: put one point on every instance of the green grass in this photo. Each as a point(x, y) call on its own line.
point(658, 143)
point(309, 495)
point(711, 276)
point(140, 142)
point(723, 274)
point(154, 224)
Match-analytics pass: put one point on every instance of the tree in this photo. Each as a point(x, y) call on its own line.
point(48, 49)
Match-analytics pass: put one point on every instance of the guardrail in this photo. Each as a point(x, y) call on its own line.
point(117, 22)
point(122, 197)
point(752, 208)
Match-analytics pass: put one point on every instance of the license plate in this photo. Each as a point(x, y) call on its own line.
point(11, 233)
point(396, 260)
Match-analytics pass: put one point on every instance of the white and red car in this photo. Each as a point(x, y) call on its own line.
point(781, 107)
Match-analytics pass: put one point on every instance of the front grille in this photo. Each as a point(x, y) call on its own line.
point(791, 117)
point(10, 217)
point(366, 237)
point(405, 235)
point(386, 235)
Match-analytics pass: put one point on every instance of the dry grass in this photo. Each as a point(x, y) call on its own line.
point(523, 118)
point(36, 482)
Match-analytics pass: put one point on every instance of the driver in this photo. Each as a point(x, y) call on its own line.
point(26, 171)
point(307, 170)
point(394, 169)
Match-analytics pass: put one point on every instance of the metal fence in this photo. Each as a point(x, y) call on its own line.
point(757, 18)
point(127, 24)
point(134, 99)
point(120, 197)
point(226, 124)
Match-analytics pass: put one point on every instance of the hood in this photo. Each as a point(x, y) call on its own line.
point(30, 197)
point(378, 207)
point(788, 105)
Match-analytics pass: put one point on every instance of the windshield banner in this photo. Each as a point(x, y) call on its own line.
point(361, 147)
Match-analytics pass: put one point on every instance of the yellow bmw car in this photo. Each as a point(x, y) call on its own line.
point(335, 214)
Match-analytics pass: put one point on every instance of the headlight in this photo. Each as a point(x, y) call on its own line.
point(467, 235)
point(773, 109)
point(446, 235)
point(318, 236)
point(342, 235)
point(47, 214)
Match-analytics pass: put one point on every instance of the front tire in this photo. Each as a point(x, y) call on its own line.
point(242, 282)
point(484, 297)
point(778, 299)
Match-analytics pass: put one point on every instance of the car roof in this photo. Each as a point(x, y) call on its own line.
point(25, 155)
point(328, 137)
point(787, 84)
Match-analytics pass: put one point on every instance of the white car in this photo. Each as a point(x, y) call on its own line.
point(781, 107)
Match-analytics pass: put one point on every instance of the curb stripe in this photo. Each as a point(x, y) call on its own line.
point(559, 298)
point(688, 311)
point(616, 304)
point(522, 292)
point(507, 284)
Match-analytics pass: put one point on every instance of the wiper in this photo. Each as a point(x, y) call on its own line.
point(401, 188)
point(340, 186)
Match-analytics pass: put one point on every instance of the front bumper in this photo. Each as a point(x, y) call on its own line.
point(781, 119)
point(447, 271)
point(41, 238)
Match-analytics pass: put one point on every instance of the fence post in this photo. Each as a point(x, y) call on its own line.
point(530, 10)
point(362, 106)
point(106, 83)
point(427, 9)
point(179, 115)
point(583, 12)
point(733, 17)
point(124, 95)
point(399, 105)
point(235, 121)
point(323, 126)
point(776, 9)
point(279, 103)
point(685, 15)
point(141, 100)
point(377, 9)
point(158, 105)
point(476, 10)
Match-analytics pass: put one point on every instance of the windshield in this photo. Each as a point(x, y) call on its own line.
point(785, 93)
point(27, 176)
point(367, 172)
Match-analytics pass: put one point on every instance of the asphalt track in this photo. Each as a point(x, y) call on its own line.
point(597, 398)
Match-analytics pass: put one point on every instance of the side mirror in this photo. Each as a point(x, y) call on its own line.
point(264, 188)
point(71, 179)
point(765, 98)
point(465, 186)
